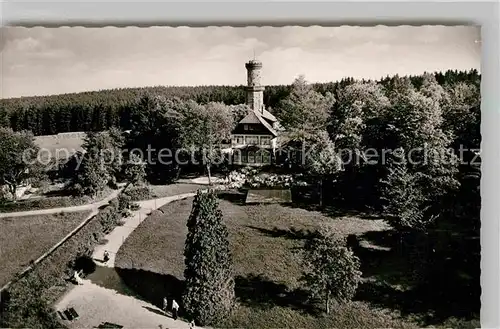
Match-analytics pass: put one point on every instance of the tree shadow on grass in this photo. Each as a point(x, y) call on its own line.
point(381, 257)
point(431, 307)
point(153, 310)
point(152, 287)
point(59, 193)
point(235, 197)
point(388, 238)
point(144, 285)
point(440, 293)
point(334, 211)
point(292, 233)
point(258, 291)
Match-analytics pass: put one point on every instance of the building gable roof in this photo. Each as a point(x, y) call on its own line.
point(266, 114)
point(251, 117)
point(256, 118)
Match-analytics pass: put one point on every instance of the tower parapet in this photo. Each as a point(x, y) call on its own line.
point(253, 72)
point(255, 92)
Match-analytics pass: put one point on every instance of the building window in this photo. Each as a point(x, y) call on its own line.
point(238, 140)
point(245, 127)
point(265, 141)
point(251, 157)
point(244, 158)
point(237, 157)
point(252, 140)
point(266, 157)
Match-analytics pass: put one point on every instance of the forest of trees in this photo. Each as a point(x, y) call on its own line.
point(99, 110)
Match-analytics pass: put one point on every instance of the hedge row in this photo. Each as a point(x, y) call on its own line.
point(51, 274)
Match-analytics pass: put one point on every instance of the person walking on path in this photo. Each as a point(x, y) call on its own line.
point(175, 309)
point(106, 256)
point(165, 304)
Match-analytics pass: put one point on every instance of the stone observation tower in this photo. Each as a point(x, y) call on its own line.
point(255, 92)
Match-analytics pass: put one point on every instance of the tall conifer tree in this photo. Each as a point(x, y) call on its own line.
point(209, 294)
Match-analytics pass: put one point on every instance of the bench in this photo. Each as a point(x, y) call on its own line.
point(68, 314)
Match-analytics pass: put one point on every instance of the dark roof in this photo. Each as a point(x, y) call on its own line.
point(266, 114)
point(256, 117)
point(250, 118)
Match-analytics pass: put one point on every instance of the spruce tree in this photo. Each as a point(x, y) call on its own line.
point(403, 201)
point(209, 292)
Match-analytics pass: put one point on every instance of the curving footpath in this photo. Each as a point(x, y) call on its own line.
point(117, 237)
point(96, 304)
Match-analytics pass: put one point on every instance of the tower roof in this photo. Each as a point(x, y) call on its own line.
point(253, 63)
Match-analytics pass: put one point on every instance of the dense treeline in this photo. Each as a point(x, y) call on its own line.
point(100, 110)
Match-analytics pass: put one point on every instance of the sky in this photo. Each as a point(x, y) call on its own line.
point(45, 61)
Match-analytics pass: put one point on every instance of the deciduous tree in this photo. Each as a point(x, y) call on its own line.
point(204, 128)
point(135, 170)
point(18, 158)
point(321, 159)
point(304, 109)
point(332, 271)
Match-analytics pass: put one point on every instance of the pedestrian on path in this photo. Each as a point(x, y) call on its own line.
point(175, 309)
point(106, 256)
point(77, 278)
point(191, 324)
point(165, 304)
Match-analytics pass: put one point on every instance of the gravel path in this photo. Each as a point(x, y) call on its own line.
point(96, 305)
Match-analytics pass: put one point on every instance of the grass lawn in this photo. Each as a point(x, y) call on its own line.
point(23, 239)
point(160, 191)
point(62, 145)
point(265, 242)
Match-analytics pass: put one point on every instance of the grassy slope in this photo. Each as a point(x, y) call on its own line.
point(23, 239)
point(59, 145)
point(265, 242)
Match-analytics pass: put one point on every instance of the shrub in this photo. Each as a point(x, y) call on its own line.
point(124, 201)
point(252, 178)
point(84, 263)
point(109, 218)
point(139, 193)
